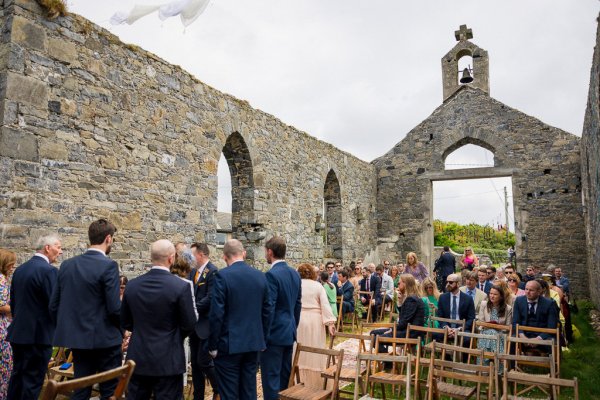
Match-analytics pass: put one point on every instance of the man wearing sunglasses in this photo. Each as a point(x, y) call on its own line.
point(455, 304)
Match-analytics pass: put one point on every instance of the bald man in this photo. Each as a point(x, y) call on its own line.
point(535, 310)
point(239, 315)
point(159, 311)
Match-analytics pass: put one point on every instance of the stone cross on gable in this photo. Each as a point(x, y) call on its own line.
point(463, 33)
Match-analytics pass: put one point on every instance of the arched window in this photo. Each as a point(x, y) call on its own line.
point(333, 216)
point(465, 61)
point(469, 156)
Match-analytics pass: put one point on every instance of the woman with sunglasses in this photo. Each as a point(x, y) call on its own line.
point(469, 260)
point(514, 281)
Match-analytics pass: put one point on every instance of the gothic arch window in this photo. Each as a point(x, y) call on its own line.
point(468, 155)
point(333, 216)
point(464, 59)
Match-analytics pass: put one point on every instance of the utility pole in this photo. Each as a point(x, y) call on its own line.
point(506, 210)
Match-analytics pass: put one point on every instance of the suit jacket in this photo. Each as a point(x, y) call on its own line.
point(159, 311)
point(375, 286)
point(203, 289)
point(411, 312)
point(30, 291)
point(445, 265)
point(238, 310)
point(347, 291)
point(479, 297)
point(85, 303)
point(284, 305)
point(546, 314)
point(334, 278)
point(466, 309)
point(487, 287)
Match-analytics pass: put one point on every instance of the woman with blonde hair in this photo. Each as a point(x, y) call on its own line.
point(415, 267)
point(468, 260)
point(315, 316)
point(430, 298)
point(411, 309)
point(513, 281)
point(395, 275)
point(8, 259)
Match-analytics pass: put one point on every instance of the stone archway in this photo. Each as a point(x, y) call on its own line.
point(333, 217)
point(240, 165)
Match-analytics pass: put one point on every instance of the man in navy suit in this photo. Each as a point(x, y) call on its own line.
point(330, 269)
point(346, 290)
point(483, 283)
point(535, 310)
point(444, 266)
point(370, 283)
point(238, 318)
point(203, 278)
point(85, 305)
point(30, 333)
point(284, 306)
point(159, 311)
point(455, 304)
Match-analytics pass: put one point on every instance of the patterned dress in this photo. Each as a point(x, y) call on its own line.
point(490, 344)
point(5, 349)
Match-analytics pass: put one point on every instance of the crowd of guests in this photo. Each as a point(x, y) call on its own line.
point(235, 318)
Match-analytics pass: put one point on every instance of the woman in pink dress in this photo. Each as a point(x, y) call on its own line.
point(315, 316)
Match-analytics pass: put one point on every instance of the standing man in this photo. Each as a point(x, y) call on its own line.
point(284, 306)
point(455, 304)
point(159, 311)
point(444, 266)
point(203, 277)
point(31, 331)
point(562, 281)
point(238, 319)
point(472, 290)
point(85, 305)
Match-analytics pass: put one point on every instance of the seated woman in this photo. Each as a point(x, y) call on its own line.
point(430, 298)
point(514, 282)
point(411, 309)
point(494, 310)
point(468, 260)
point(331, 292)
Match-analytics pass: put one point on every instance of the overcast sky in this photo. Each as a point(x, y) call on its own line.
point(361, 74)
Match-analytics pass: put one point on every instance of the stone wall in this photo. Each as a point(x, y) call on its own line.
point(91, 127)
point(590, 171)
point(544, 163)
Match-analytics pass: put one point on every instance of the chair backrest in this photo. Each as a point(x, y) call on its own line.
point(362, 339)
point(515, 376)
point(360, 293)
point(406, 360)
point(123, 374)
point(555, 332)
point(333, 356)
point(380, 325)
point(475, 337)
point(519, 343)
point(427, 333)
point(460, 323)
point(455, 351)
point(480, 325)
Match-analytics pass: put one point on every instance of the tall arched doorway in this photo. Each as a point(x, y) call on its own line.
point(333, 217)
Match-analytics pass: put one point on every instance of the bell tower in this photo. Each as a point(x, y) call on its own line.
point(465, 64)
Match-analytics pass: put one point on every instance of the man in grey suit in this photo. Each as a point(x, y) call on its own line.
point(472, 290)
point(31, 331)
point(159, 311)
point(85, 305)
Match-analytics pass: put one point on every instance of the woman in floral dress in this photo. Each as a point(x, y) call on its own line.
point(7, 263)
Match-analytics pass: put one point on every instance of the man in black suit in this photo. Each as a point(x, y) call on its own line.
point(535, 310)
point(285, 304)
point(370, 283)
point(159, 311)
point(85, 305)
point(346, 290)
point(455, 304)
point(238, 319)
point(444, 266)
point(203, 277)
point(483, 283)
point(30, 333)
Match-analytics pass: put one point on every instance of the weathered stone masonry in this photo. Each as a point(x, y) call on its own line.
point(91, 127)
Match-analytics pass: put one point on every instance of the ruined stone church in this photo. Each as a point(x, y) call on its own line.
point(92, 127)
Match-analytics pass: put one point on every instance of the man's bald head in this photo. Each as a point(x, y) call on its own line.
point(233, 251)
point(533, 290)
point(161, 251)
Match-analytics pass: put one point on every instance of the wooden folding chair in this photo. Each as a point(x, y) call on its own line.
point(341, 315)
point(55, 372)
point(556, 337)
point(400, 346)
point(525, 357)
point(347, 374)
point(385, 304)
point(369, 295)
point(298, 391)
point(440, 371)
point(123, 374)
point(406, 380)
point(529, 380)
point(427, 333)
point(380, 325)
point(460, 323)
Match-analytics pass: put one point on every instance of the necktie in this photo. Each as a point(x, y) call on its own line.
point(368, 284)
point(531, 311)
point(471, 293)
point(197, 276)
point(454, 312)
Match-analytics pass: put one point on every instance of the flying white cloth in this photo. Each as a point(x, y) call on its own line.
point(188, 11)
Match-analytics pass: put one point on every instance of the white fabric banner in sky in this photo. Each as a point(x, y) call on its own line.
point(188, 11)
